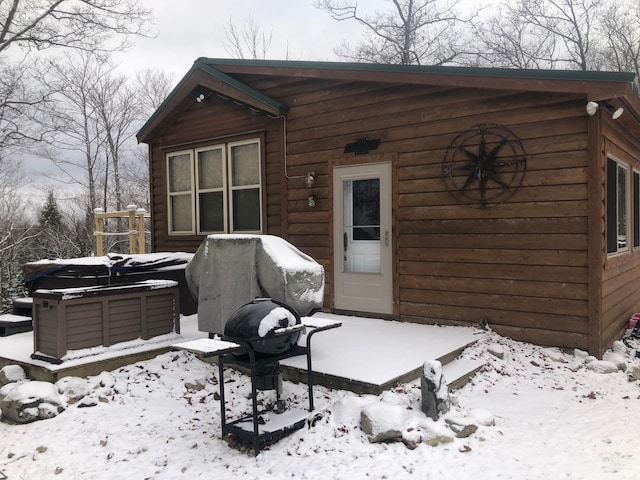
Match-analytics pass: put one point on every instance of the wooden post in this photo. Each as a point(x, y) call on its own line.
point(131, 211)
point(99, 231)
point(140, 212)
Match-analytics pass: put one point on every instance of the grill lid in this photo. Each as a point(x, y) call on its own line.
point(264, 323)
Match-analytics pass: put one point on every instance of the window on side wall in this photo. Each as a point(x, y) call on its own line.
point(636, 209)
point(215, 189)
point(617, 206)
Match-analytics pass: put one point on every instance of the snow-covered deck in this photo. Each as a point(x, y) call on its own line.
point(364, 354)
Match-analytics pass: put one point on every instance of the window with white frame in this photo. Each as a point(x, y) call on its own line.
point(215, 189)
point(617, 206)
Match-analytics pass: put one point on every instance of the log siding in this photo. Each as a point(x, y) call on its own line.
point(535, 266)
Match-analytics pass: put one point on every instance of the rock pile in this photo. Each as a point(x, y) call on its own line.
point(25, 401)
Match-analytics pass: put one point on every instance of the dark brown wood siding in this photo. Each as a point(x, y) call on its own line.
point(521, 265)
point(620, 282)
point(528, 266)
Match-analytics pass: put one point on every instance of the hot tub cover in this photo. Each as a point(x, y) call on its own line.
point(229, 271)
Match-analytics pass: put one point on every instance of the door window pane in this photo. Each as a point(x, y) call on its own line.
point(245, 165)
point(181, 213)
point(211, 212)
point(366, 209)
point(246, 210)
point(361, 239)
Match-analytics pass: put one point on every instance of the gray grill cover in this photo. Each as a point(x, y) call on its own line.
point(229, 271)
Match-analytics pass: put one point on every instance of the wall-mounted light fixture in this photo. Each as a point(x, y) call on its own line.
point(593, 107)
point(203, 97)
point(309, 179)
point(312, 200)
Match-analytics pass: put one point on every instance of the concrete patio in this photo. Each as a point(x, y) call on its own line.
point(364, 355)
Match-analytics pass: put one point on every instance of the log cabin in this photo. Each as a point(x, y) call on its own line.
point(429, 194)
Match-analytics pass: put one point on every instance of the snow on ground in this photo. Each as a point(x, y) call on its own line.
point(160, 419)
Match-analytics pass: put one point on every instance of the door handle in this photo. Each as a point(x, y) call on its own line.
point(386, 238)
point(345, 241)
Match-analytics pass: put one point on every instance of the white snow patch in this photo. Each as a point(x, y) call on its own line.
point(275, 319)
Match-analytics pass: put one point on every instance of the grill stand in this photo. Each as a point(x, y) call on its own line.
point(249, 427)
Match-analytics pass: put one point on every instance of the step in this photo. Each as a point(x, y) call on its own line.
point(11, 324)
point(23, 306)
point(459, 371)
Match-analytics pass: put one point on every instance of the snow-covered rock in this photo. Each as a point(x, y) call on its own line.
point(28, 401)
point(496, 350)
point(462, 427)
point(617, 359)
point(383, 421)
point(435, 433)
point(73, 389)
point(602, 366)
point(482, 417)
point(11, 374)
point(554, 354)
point(347, 410)
point(435, 393)
point(580, 354)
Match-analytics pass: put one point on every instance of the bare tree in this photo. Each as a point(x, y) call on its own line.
point(118, 108)
point(251, 39)
point(77, 147)
point(87, 25)
point(153, 86)
point(421, 32)
point(16, 232)
point(621, 29)
point(557, 33)
point(507, 40)
point(79, 24)
point(21, 105)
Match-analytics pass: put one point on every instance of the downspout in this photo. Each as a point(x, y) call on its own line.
point(596, 231)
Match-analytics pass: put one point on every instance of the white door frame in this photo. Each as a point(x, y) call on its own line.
point(370, 287)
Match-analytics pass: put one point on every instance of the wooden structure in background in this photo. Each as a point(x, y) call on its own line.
point(136, 232)
point(535, 265)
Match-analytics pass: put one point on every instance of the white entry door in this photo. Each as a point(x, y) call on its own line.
point(363, 278)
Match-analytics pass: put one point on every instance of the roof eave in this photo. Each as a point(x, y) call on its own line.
point(215, 80)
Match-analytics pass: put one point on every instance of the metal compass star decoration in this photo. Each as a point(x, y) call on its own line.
point(484, 165)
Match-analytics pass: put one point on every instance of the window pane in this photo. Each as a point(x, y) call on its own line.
point(180, 173)
point(181, 213)
point(210, 173)
point(612, 207)
point(636, 209)
point(245, 165)
point(246, 210)
point(622, 207)
point(211, 212)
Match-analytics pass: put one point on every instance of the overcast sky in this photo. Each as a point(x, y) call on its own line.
point(188, 29)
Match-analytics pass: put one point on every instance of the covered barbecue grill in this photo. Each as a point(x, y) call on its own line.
point(265, 332)
point(252, 291)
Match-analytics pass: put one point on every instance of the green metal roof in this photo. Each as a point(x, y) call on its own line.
point(569, 75)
